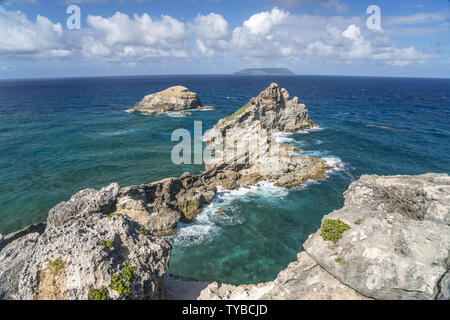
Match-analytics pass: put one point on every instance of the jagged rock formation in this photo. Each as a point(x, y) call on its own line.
point(159, 206)
point(85, 254)
point(249, 137)
point(176, 98)
point(396, 245)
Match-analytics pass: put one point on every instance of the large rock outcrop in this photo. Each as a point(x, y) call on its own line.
point(398, 244)
point(249, 138)
point(85, 254)
point(391, 240)
point(160, 205)
point(176, 98)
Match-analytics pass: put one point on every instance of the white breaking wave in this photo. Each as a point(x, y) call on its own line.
point(313, 129)
point(335, 162)
point(209, 224)
point(117, 133)
point(283, 137)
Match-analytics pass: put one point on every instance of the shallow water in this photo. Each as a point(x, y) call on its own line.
point(61, 135)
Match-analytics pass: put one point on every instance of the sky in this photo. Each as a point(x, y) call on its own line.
point(406, 38)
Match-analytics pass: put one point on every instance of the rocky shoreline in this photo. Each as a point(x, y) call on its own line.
point(391, 240)
point(107, 244)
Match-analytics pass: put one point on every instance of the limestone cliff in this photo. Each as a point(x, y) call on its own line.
point(85, 253)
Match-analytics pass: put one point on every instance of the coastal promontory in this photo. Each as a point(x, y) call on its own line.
point(390, 240)
point(176, 98)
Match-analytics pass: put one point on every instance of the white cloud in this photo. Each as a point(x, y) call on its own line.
point(22, 37)
point(139, 37)
point(273, 37)
point(280, 35)
point(261, 23)
point(212, 33)
point(210, 27)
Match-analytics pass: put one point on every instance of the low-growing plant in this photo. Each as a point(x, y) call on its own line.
point(56, 265)
point(358, 221)
point(107, 244)
point(121, 282)
point(237, 113)
point(332, 229)
point(114, 214)
point(340, 261)
point(128, 272)
point(98, 294)
point(143, 231)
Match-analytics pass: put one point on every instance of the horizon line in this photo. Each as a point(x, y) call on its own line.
point(221, 74)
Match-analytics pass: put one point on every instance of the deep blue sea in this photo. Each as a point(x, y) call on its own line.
point(58, 136)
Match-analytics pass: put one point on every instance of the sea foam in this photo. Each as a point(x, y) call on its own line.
point(209, 224)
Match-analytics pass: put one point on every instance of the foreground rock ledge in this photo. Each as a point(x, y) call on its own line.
point(82, 257)
point(176, 98)
point(397, 247)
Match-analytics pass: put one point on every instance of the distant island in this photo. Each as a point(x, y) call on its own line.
point(265, 71)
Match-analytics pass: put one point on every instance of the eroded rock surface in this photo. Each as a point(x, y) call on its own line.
point(250, 137)
point(85, 254)
point(176, 98)
point(398, 246)
point(83, 204)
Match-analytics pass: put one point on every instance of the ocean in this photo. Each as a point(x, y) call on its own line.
point(58, 136)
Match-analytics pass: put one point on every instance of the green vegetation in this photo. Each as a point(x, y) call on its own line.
point(107, 244)
point(332, 229)
point(337, 260)
point(114, 214)
point(97, 294)
point(121, 282)
point(358, 221)
point(120, 285)
point(143, 231)
point(56, 265)
point(128, 272)
point(236, 114)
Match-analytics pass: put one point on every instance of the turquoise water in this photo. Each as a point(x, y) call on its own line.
point(61, 135)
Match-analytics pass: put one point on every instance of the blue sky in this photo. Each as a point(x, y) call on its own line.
point(140, 37)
